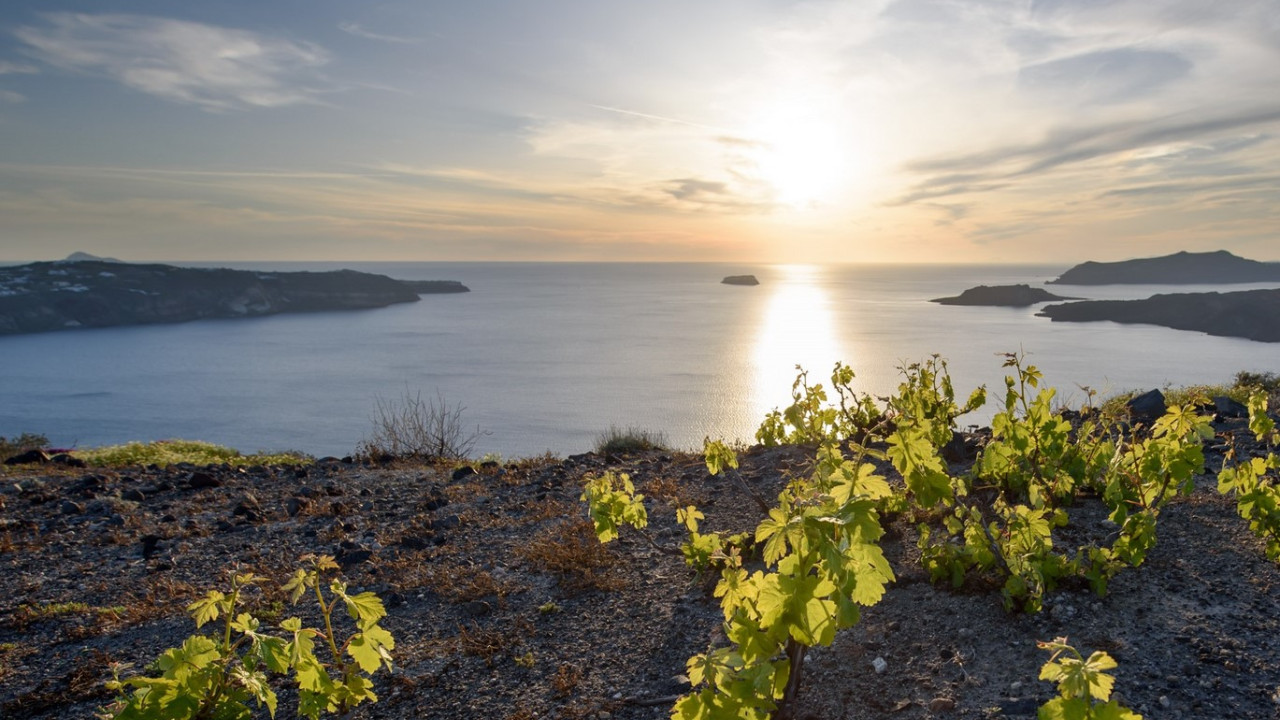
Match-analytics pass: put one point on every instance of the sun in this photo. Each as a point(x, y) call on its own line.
point(807, 161)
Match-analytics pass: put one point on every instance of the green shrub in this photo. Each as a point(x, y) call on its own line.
point(617, 441)
point(172, 452)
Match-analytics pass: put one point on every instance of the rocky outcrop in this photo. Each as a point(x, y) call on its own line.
point(45, 296)
point(1250, 314)
point(1001, 296)
point(435, 287)
point(1181, 268)
point(740, 280)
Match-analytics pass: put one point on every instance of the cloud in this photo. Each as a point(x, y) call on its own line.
point(965, 173)
point(1105, 76)
point(212, 67)
point(8, 68)
point(8, 96)
point(359, 31)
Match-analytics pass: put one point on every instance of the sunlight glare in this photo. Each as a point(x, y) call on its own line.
point(798, 328)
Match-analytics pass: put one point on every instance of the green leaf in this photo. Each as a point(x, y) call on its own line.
point(207, 608)
point(370, 649)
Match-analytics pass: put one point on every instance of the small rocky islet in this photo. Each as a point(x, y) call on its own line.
point(88, 292)
point(1001, 296)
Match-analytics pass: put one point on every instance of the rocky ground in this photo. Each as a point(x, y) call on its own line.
point(504, 606)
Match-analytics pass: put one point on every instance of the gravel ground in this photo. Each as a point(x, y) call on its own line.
point(504, 606)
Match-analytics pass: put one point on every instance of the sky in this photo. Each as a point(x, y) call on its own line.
point(936, 131)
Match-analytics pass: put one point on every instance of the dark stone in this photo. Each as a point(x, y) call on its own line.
point(70, 507)
point(249, 508)
point(295, 505)
point(133, 495)
point(1147, 406)
point(199, 479)
point(475, 609)
point(299, 473)
point(350, 557)
point(447, 522)
point(30, 457)
point(1228, 408)
point(463, 472)
point(68, 460)
point(150, 545)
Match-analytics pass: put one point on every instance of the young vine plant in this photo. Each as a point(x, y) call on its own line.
point(218, 677)
point(1255, 483)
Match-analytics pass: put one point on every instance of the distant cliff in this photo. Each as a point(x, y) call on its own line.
point(1250, 314)
point(45, 296)
point(1000, 296)
point(1178, 269)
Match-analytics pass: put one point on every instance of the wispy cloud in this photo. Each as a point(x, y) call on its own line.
point(215, 68)
point(359, 31)
point(9, 68)
point(9, 96)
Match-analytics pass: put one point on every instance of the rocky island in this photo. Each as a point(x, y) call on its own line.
point(1001, 296)
point(740, 280)
point(47, 296)
point(1249, 314)
point(1180, 268)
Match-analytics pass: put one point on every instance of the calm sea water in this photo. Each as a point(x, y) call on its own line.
point(544, 357)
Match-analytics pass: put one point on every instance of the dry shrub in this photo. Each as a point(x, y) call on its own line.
point(412, 427)
point(566, 680)
point(670, 490)
point(570, 551)
point(481, 642)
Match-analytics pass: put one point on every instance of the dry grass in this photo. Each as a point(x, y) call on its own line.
point(482, 642)
point(567, 679)
point(570, 551)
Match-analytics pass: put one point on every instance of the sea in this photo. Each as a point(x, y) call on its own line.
point(547, 357)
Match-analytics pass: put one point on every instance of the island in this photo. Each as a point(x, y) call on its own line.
point(740, 280)
point(1249, 314)
point(1182, 268)
point(47, 296)
point(1001, 296)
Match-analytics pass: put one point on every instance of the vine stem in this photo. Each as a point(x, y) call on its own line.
point(327, 611)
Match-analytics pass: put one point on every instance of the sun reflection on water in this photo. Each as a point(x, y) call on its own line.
point(798, 328)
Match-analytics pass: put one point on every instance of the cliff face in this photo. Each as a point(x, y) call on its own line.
point(1177, 269)
point(1250, 314)
point(46, 296)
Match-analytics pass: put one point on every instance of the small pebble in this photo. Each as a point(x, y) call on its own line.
point(880, 665)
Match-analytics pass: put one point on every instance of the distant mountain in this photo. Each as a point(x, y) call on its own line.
point(1001, 296)
point(45, 296)
point(1250, 314)
point(83, 256)
point(1181, 268)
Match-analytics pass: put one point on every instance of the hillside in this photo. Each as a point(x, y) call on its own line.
point(47, 296)
point(504, 606)
point(1182, 268)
